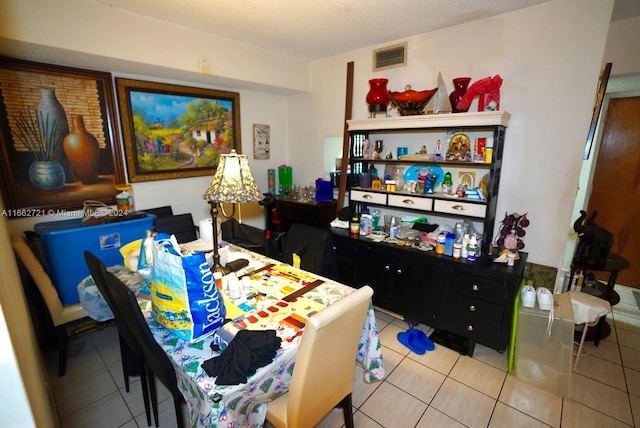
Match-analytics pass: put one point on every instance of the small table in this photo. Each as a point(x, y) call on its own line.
point(614, 264)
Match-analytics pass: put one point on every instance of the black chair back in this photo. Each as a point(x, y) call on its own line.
point(156, 359)
point(130, 351)
point(314, 246)
point(180, 225)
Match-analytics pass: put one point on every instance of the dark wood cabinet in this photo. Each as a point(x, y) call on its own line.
point(471, 300)
point(282, 213)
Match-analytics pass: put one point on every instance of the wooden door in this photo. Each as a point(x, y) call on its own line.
point(616, 184)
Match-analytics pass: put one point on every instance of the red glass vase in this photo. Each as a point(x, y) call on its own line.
point(460, 88)
point(378, 96)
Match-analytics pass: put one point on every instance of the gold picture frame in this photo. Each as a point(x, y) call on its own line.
point(173, 131)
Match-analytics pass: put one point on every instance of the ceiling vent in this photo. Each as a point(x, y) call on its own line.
point(390, 57)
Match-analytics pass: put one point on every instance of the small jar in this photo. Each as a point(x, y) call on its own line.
point(440, 241)
point(511, 259)
point(457, 250)
point(124, 199)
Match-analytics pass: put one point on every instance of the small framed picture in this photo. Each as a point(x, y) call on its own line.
point(261, 141)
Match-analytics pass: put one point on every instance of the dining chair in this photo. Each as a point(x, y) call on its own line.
point(66, 320)
point(180, 225)
point(156, 360)
point(324, 368)
point(310, 248)
point(130, 351)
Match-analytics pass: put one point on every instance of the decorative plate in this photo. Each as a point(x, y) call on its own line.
point(459, 148)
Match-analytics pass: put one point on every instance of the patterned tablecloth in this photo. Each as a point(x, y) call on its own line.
point(243, 405)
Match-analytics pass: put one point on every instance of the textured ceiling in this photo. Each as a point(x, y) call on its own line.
point(313, 29)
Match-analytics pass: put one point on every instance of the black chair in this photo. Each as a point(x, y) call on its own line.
point(180, 225)
point(130, 351)
point(157, 361)
point(314, 246)
point(164, 211)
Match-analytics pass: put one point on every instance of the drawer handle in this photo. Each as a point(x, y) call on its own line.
point(472, 308)
point(408, 201)
point(386, 267)
point(367, 196)
point(457, 207)
point(475, 287)
point(470, 328)
point(399, 271)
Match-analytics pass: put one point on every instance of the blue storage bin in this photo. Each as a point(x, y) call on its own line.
point(64, 242)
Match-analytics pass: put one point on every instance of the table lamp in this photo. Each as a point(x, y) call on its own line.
point(232, 183)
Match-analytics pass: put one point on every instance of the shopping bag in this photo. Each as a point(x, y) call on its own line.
point(184, 295)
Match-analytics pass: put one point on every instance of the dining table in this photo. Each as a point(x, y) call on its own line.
point(245, 404)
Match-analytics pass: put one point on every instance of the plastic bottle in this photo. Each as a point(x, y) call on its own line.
point(354, 226)
point(393, 229)
point(457, 250)
point(465, 246)
point(447, 183)
point(472, 249)
point(448, 244)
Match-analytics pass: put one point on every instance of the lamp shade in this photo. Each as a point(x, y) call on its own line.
point(233, 182)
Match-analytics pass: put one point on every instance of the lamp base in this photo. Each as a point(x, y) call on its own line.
point(217, 267)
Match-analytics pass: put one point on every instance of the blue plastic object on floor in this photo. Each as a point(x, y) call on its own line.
point(416, 340)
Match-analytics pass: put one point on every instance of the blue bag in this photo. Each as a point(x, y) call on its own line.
point(184, 295)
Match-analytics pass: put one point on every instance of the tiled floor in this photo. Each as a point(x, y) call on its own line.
point(438, 389)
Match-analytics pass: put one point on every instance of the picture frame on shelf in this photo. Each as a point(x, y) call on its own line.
point(261, 141)
point(59, 145)
point(172, 131)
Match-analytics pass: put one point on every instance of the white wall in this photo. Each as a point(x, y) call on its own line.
point(549, 57)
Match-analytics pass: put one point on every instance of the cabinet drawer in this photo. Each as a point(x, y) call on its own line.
point(368, 197)
point(479, 288)
point(460, 208)
point(481, 330)
point(473, 310)
point(412, 202)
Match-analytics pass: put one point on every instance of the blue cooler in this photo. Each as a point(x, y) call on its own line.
point(64, 242)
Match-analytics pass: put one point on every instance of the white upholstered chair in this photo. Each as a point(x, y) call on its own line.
point(62, 317)
point(323, 374)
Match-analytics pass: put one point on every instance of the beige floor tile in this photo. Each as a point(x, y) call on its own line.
point(499, 360)
point(576, 415)
point(464, 404)
point(416, 379)
point(633, 381)
point(607, 350)
point(625, 322)
point(108, 412)
point(630, 357)
point(601, 397)
point(363, 421)
point(84, 391)
point(478, 375)
point(630, 339)
point(626, 308)
point(601, 370)
point(635, 408)
point(383, 407)
point(538, 403)
point(505, 416)
point(441, 359)
point(434, 418)
point(166, 415)
point(84, 359)
point(389, 338)
point(361, 389)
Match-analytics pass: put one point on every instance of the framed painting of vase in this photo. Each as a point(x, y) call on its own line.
point(58, 142)
point(173, 131)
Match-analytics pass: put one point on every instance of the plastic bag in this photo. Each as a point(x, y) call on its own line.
point(184, 295)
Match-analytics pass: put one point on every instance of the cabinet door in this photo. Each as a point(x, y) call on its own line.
point(386, 273)
point(424, 277)
point(346, 251)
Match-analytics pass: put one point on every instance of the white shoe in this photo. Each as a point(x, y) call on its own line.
point(545, 298)
point(528, 296)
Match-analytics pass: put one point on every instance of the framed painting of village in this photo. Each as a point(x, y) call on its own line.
point(59, 144)
point(173, 131)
